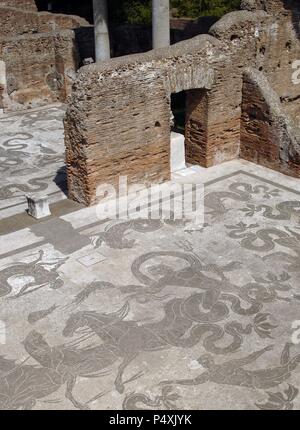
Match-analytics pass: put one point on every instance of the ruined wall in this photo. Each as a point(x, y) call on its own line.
point(16, 22)
point(196, 129)
point(134, 119)
point(219, 124)
point(40, 56)
point(39, 68)
point(277, 49)
point(267, 137)
point(274, 7)
point(213, 127)
point(141, 134)
point(22, 4)
point(271, 99)
point(236, 34)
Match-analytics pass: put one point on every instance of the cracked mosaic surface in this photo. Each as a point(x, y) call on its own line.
point(143, 314)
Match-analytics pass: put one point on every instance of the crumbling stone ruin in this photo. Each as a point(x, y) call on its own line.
point(38, 55)
point(242, 101)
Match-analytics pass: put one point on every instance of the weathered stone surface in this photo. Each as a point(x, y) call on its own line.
point(40, 53)
point(267, 137)
point(22, 4)
point(135, 123)
point(16, 22)
point(38, 205)
point(126, 308)
point(38, 68)
point(120, 109)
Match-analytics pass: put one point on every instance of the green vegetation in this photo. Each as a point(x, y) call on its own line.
point(139, 11)
point(196, 8)
point(130, 11)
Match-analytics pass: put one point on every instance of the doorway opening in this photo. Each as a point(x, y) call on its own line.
point(188, 128)
point(178, 107)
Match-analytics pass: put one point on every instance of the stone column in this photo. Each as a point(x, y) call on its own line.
point(160, 23)
point(102, 45)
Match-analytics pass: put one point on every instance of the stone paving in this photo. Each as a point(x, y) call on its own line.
point(141, 314)
point(31, 157)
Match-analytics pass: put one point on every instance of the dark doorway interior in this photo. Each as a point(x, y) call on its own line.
point(178, 107)
point(83, 8)
point(190, 119)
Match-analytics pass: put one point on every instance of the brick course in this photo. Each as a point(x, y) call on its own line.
point(118, 118)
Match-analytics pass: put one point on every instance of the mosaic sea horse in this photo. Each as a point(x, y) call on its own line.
point(130, 338)
point(22, 385)
point(65, 363)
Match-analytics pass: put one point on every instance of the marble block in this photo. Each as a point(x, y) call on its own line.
point(38, 205)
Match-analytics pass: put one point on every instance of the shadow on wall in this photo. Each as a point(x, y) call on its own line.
point(138, 38)
point(61, 179)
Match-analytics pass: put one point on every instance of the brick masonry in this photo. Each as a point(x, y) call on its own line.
point(118, 118)
point(40, 53)
point(22, 4)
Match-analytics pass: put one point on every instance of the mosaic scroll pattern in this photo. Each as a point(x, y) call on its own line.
point(146, 315)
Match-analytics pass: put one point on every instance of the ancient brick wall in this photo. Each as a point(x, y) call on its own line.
point(17, 22)
point(134, 146)
point(21, 4)
point(203, 64)
point(37, 68)
point(196, 128)
point(135, 122)
point(266, 135)
point(277, 48)
point(219, 124)
point(276, 55)
point(40, 55)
